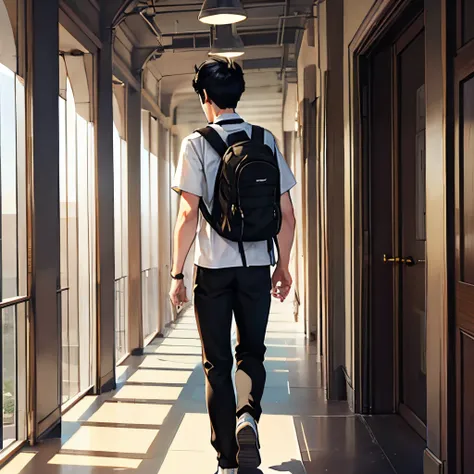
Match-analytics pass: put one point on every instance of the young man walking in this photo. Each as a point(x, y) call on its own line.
point(231, 277)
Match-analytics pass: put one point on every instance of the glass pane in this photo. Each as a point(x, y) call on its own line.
point(64, 304)
point(124, 314)
point(84, 275)
point(120, 310)
point(154, 211)
point(468, 23)
point(117, 319)
point(92, 247)
point(124, 209)
point(118, 218)
point(21, 188)
point(145, 205)
point(9, 371)
point(63, 209)
point(8, 172)
point(146, 305)
point(71, 131)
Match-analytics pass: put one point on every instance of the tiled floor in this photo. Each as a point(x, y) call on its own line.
point(156, 422)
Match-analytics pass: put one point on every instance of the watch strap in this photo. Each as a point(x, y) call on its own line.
point(178, 276)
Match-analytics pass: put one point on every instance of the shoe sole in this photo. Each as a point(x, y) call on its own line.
point(248, 455)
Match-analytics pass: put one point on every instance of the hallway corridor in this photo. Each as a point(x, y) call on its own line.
point(156, 422)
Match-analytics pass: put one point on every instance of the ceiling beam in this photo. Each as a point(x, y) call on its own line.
point(262, 63)
point(267, 37)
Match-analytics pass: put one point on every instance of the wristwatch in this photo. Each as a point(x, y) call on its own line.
point(179, 276)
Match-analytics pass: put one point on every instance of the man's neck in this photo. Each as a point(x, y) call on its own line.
point(223, 112)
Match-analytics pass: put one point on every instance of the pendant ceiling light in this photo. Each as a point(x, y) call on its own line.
point(222, 12)
point(227, 43)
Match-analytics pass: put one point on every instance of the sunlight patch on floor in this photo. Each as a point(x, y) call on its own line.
point(176, 342)
point(190, 360)
point(120, 371)
point(195, 462)
point(195, 351)
point(148, 392)
point(183, 334)
point(154, 362)
point(160, 376)
point(111, 440)
point(94, 461)
point(78, 411)
point(131, 413)
point(18, 463)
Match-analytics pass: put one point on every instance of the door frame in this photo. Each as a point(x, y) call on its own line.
point(410, 17)
point(440, 246)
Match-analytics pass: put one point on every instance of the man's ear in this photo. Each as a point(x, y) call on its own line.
point(206, 97)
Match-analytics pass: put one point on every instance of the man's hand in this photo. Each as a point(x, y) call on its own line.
point(281, 283)
point(178, 293)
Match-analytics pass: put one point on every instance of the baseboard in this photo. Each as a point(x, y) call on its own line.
point(350, 395)
point(431, 464)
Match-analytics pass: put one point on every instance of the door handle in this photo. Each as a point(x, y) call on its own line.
point(387, 259)
point(408, 261)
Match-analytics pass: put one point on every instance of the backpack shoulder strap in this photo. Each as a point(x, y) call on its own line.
point(258, 134)
point(214, 139)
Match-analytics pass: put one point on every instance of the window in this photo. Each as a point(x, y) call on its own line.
point(13, 257)
point(149, 224)
point(77, 246)
point(121, 237)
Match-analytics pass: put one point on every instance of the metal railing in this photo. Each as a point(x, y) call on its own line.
point(12, 354)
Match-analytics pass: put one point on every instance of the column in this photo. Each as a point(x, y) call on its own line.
point(134, 221)
point(105, 212)
point(42, 114)
point(336, 324)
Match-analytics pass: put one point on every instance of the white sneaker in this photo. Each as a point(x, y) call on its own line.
point(232, 470)
point(248, 442)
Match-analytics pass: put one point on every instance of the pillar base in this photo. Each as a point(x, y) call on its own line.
point(107, 383)
point(54, 431)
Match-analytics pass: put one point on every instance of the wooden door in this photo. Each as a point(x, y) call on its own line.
point(393, 122)
point(464, 216)
point(410, 216)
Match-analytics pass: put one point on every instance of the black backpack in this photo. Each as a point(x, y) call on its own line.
point(246, 205)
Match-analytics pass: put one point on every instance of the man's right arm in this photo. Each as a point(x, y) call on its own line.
point(189, 183)
point(185, 230)
point(282, 280)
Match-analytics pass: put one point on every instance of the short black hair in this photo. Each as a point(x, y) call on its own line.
point(223, 81)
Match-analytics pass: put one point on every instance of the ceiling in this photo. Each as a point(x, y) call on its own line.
point(271, 34)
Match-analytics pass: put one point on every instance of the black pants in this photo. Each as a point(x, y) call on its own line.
point(217, 294)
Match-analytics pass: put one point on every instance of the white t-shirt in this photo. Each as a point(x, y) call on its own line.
point(196, 174)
